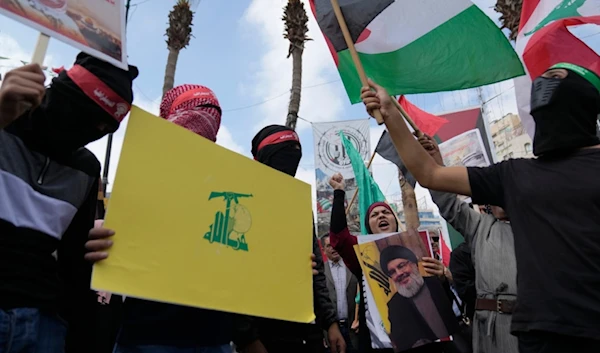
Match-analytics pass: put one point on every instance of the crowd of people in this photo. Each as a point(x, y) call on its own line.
point(50, 234)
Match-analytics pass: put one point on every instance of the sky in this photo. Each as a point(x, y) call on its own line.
point(238, 50)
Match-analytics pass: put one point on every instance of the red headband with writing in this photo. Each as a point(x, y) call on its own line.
point(198, 93)
point(99, 92)
point(279, 137)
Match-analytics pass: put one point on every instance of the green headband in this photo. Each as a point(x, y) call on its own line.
point(590, 76)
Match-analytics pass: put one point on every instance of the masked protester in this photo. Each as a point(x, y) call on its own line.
point(279, 148)
point(379, 219)
point(148, 326)
point(49, 186)
point(552, 201)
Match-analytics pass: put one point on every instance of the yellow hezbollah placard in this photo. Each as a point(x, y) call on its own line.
point(199, 225)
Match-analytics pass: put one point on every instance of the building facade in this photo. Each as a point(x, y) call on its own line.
point(510, 139)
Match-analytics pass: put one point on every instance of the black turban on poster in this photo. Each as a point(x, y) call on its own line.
point(393, 252)
point(278, 147)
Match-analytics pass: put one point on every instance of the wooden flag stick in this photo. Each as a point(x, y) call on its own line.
point(356, 192)
point(40, 50)
point(41, 47)
point(355, 58)
point(418, 132)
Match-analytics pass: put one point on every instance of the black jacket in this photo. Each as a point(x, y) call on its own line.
point(249, 329)
point(47, 208)
point(463, 273)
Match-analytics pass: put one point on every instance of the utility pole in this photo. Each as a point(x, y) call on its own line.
point(486, 126)
point(110, 136)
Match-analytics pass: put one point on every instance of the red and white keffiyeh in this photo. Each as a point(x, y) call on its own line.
point(193, 107)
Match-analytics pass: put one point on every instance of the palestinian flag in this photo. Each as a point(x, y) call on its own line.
point(548, 35)
point(417, 46)
point(428, 123)
point(458, 122)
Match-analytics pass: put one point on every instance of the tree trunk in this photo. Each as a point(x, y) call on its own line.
point(295, 92)
point(409, 201)
point(169, 81)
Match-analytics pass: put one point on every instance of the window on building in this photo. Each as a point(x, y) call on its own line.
point(528, 147)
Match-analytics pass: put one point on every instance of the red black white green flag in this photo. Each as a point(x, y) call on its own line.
point(417, 46)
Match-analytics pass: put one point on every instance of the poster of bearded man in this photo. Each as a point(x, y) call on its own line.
point(415, 306)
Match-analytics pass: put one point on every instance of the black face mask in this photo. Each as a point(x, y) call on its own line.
point(57, 127)
point(565, 112)
point(286, 160)
point(284, 156)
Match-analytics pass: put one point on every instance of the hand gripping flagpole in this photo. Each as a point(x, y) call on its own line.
point(40, 50)
point(355, 58)
point(41, 47)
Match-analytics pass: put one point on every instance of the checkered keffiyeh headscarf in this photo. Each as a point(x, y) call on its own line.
point(193, 107)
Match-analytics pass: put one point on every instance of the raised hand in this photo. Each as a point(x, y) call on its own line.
point(337, 182)
point(376, 97)
point(21, 89)
point(431, 147)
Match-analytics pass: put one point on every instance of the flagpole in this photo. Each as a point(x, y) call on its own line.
point(109, 141)
point(355, 58)
point(356, 192)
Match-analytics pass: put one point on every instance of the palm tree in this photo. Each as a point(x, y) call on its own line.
point(511, 15)
point(178, 35)
point(295, 19)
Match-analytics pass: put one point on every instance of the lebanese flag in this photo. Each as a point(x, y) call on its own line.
point(427, 123)
point(548, 35)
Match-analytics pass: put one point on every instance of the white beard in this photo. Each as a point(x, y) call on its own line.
point(413, 287)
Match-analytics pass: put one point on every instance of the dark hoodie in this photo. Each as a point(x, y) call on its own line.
point(279, 147)
point(49, 185)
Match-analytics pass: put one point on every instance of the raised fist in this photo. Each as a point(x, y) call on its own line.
point(431, 147)
point(337, 182)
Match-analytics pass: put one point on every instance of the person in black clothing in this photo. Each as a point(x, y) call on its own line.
point(463, 273)
point(49, 186)
point(279, 147)
point(154, 327)
point(552, 202)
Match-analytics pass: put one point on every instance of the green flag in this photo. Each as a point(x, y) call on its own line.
point(368, 190)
